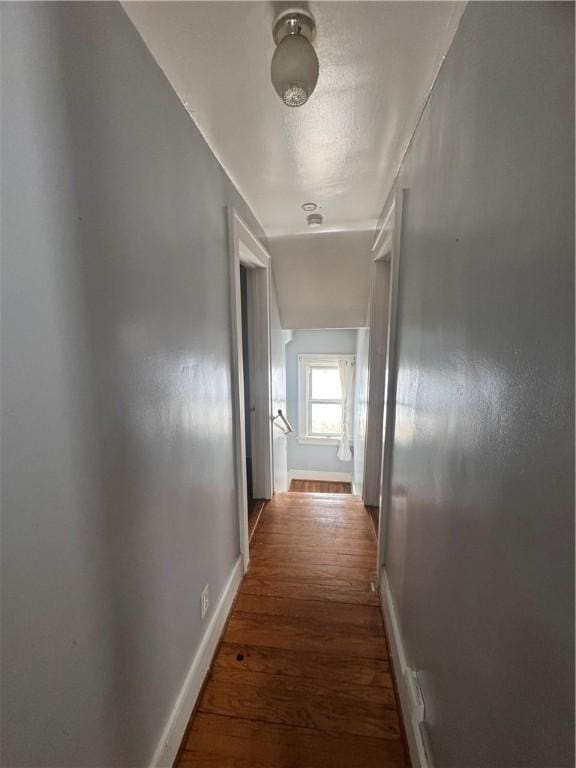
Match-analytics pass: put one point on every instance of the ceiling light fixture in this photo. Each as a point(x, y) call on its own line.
point(314, 220)
point(294, 67)
point(309, 206)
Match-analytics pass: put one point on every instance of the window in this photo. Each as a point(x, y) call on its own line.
point(320, 398)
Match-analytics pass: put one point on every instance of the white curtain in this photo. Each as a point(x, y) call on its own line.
point(346, 370)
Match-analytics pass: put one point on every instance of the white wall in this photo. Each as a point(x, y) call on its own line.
point(118, 482)
point(322, 280)
point(360, 407)
point(480, 551)
point(320, 458)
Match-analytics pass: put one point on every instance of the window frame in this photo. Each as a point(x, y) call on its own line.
point(305, 364)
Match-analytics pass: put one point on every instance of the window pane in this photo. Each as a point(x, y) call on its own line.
point(326, 419)
point(326, 384)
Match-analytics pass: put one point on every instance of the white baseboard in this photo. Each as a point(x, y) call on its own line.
point(411, 702)
point(312, 474)
point(175, 728)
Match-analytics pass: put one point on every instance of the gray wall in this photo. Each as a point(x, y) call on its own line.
point(321, 458)
point(118, 500)
point(481, 535)
point(360, 407)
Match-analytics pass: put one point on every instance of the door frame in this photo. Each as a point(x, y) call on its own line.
point(377, 346)
point(246, 250)
point(389, 242)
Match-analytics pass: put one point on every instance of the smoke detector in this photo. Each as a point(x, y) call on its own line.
point(314, 220)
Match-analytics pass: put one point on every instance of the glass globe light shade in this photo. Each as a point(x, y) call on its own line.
point(294, 70)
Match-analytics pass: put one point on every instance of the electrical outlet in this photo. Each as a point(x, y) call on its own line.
point(204, 600)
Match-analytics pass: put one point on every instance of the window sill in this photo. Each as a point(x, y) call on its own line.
point(318, 440)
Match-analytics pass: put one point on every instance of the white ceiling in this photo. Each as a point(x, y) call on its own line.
point(342, 149)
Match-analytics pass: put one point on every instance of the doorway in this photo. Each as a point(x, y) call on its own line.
point(255, 505)
point(382, 371)
point(377, 349)
point(251, 369)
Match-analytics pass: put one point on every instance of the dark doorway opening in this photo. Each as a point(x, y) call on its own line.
point(255, 506)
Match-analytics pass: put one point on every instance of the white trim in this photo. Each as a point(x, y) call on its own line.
point(383, 243)
point(391, 376)
point(313, 474)
point(327, 357)
point(318, 440)
point(246, 249)
point(306, 359)
point(377, 343)
point(411, 702)
point(175, 728)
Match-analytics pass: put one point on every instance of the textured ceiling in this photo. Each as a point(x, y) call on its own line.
point(342, 149)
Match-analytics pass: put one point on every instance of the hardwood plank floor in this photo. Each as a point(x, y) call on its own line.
point(312, 665)
point(320, 486)
point(302, 677)
point(304, 636)
point(228, 742)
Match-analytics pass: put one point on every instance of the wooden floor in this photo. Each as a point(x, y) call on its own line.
point(320, 486)
point(302, 677)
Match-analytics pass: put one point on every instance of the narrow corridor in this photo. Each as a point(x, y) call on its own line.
point(256, 246)
point(302, 677)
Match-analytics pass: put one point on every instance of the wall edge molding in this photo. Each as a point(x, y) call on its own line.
point(313, 474)
point(414, 725)
point(179, 717)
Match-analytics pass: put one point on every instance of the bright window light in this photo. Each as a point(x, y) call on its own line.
point(325, 418)
point(326, 384)
point(320, 398)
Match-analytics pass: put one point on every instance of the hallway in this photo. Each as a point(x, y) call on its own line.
point(302, 676)
point(271, 274)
